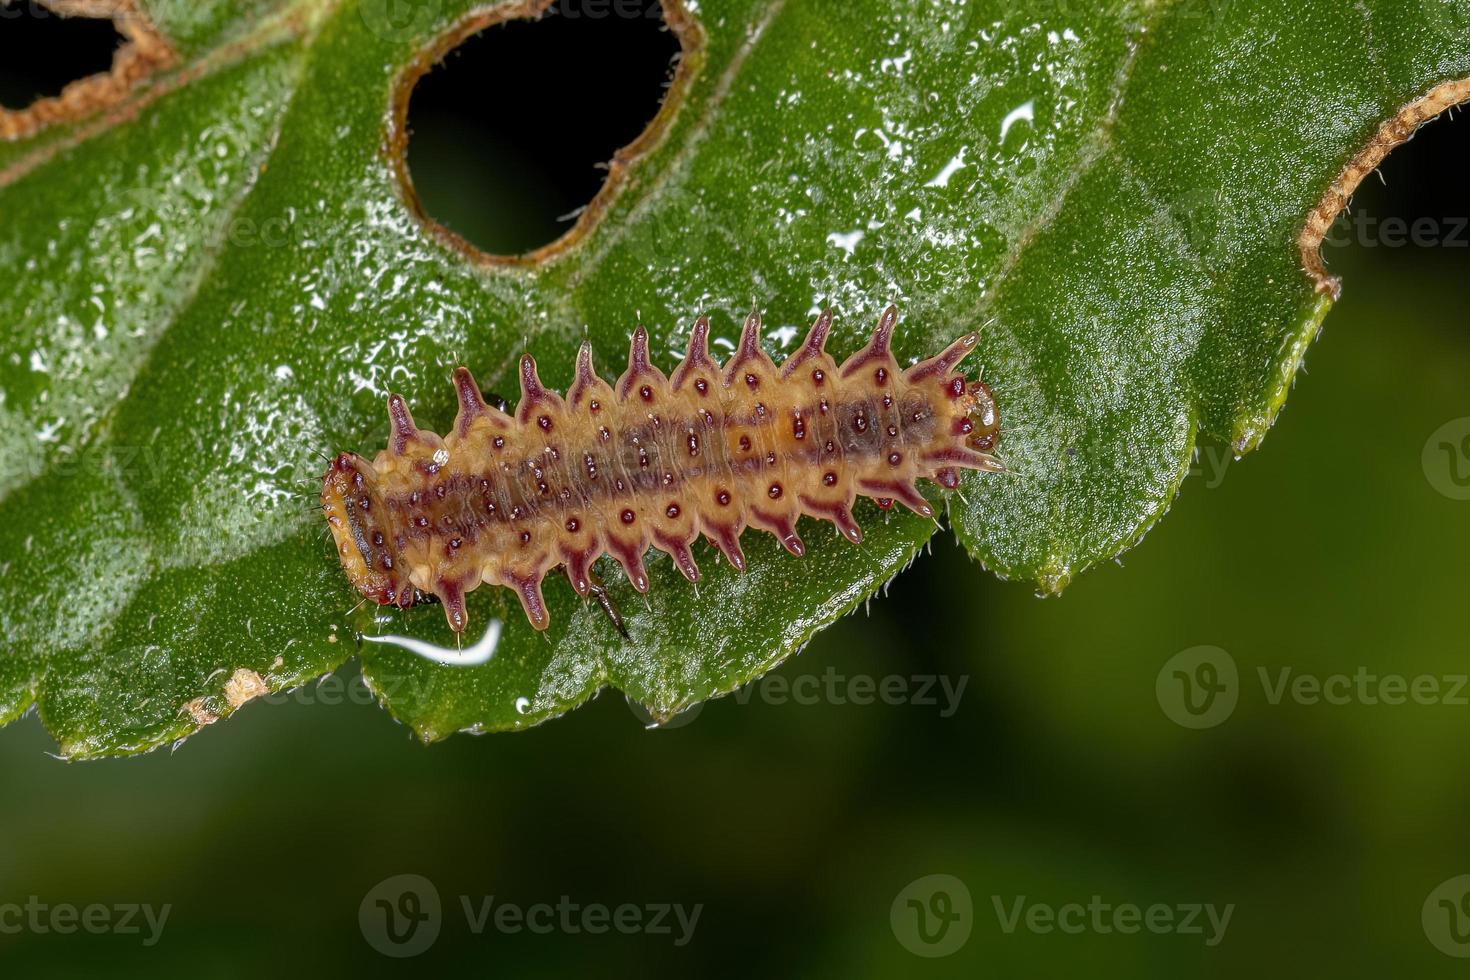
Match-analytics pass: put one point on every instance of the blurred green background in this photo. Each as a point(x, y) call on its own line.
point(1058, 776)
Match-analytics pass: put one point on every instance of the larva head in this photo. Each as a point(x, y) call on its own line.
point(363, 532)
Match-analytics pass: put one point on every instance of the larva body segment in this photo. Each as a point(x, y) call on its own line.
point(653, 461)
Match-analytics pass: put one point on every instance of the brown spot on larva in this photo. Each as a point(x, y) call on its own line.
point(673, 511)
point(818, 376)
point(1391, 134)
point(775, 492)
point(829, 478)
point(628, 516)
point(745, 444)
point(573, 525)
point(723, 497)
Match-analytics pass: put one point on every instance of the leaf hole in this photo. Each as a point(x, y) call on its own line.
point(1417, 208)
point(41, 52)
point(1393, 133)
point(521, 130)
point(62, 60)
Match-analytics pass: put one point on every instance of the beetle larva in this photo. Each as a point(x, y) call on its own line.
point(651, 461)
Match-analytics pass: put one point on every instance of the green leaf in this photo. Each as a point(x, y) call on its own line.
point(223, 275)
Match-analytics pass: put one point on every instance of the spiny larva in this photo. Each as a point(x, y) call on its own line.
point(651, 460)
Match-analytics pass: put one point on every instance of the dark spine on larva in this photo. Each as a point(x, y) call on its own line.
point(651, 460)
